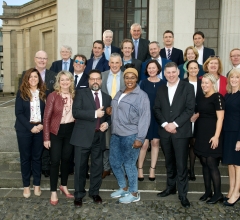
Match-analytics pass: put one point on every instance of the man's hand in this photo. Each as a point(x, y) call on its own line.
point(103, 126)
point(171, 128)
point(100, 112)
point(137, 144)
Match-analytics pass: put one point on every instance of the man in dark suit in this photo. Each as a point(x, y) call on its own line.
point(98, 61)
point(140, 45)
point(49, 78)
point(174, 106)
point(235, 59)
point(88, 136)
point(170, 52)
point(127, 47)
point(154, 50)
point(204, 52)
point(66, 63)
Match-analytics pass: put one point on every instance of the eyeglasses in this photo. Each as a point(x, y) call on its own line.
point(237, 55)
point(214, 56)
point(79, 61)
point(41, 58)
point(95, 79)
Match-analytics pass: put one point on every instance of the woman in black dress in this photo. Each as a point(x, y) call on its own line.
point(231, 136)
point(208, 144)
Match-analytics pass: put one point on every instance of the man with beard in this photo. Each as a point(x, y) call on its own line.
point(88, 136)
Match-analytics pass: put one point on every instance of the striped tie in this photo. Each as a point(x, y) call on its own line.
point(169, 54)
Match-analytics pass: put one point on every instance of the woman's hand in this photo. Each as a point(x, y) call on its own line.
point(237, 146)
point(214, 141)
point(40, 127)
point(47, 144)
point(194, 117)
point(137, 144)
point(35, 130)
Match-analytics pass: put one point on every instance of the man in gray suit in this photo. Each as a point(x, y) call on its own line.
point(112, 82)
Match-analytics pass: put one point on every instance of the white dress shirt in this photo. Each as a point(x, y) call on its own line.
point(99, 97)
point(159, 59)
point(79, 77)
point(200, 56)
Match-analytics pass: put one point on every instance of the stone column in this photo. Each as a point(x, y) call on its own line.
point(20, 57)
point(229, 31)
point(97, 20)
point(27, 48)
point(153, 20)
point(7, 61)
point(183, 23)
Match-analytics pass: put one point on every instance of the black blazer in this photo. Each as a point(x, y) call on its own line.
point(101, 66)
point(137, 63)
point(50, 78)
point(22, 112)
point(176, 55)
point(83, 110)
point(113, 50)
point(207, 52)
point(180, 111)
point(57, 66)
point(143, 50)
point(83, 82)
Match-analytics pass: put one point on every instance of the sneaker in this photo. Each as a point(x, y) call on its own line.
point(130, 198)
point(119, 193)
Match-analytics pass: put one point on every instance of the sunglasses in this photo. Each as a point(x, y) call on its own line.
point(79, 61)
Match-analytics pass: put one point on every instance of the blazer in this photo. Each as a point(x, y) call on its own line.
point(105, 78)
point(180, 111)
point(50, 78)
point(83, 109)
point(136, 62)
point(23, 113)
point(57, 66)
point(143, 50)
point(182, 71)
point(101, 66)
point(83, 82)
point(113, 50)
point(176, 55)
point(207, 52)
point(144, 64)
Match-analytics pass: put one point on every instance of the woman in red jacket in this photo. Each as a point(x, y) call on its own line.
point(57, 129)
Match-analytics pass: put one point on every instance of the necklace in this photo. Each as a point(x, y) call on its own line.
point(154, 81)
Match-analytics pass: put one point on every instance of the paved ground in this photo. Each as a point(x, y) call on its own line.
point(14, 206)
point(6, 100)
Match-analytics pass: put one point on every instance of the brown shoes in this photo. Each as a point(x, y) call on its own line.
point(105, 173)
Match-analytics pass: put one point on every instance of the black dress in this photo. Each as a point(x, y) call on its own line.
point(206, 126)
point(231, 129)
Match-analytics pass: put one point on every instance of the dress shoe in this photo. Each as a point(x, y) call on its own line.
point(151, 178)
point(70, 196)
point(105, 173)
point(140, 178)
point(53, 202)
point(166, 192)
point(27, 195)
point(78, 202)
point(225, 198)
point(185, 203)
point(205, 196)
point(226, 203)
point(37, 193)
point(46, 173)
point(96, 199)
point(214, 199)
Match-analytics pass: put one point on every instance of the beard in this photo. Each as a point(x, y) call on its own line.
point(95, 87)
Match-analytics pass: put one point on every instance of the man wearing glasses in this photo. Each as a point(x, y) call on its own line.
point(235, 59)
point(66, 63)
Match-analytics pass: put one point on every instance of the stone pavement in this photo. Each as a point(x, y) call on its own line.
point(14, 206)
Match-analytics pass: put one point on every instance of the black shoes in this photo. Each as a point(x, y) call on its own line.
point(96, 199)
point(206, 196)
point(152, 178)
point(166, 193)
point(225, 198)
point(226, 203)
point(140, 178)
point(214, 199)
point(46, 173)
point(184, 202)
point(78, 202)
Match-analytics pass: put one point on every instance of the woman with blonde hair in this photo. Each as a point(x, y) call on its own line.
point(231, 136)
point(208, 142)
point(57, 130)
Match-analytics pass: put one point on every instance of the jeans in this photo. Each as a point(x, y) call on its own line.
point(122, 154)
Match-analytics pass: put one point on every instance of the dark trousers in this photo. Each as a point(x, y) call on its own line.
point(60, 151)
point(30, 147)
point(45, 159)
point(176, 155)
point(81, 166)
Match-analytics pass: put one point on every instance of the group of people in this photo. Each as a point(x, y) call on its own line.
point(112, 106)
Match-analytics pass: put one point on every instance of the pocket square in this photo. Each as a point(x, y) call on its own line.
point(83, 86)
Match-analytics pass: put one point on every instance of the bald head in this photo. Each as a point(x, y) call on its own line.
point(40, 60)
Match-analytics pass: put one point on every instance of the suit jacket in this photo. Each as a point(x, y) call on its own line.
point(83, 110)
point(136, 62)
point(143, 50)
point(83, 82)
point(23, 113)
point(50, 78)
point(176, 55)
point(144, 64)
point(105, 78)
point(101, 66)
point(113, 50)
point(207, 52)
point(57, 66)
point(180, 111)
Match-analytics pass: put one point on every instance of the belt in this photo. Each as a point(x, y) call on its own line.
point(33, 122)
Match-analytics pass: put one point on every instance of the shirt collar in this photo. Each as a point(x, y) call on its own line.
point(68, 61)
point(77, 74)
point(97, 58)
point(135, 40)
point(118, 73)
point(174, 85)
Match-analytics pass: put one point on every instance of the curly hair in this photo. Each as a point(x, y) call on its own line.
point(25, 86)
point(57, 86)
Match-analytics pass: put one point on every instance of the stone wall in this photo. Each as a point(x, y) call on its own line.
point(207, 21)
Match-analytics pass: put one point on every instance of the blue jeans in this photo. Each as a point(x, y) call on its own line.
point(122, 154)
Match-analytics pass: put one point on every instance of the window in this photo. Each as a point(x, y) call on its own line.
point(1, 48)
point(119, 15)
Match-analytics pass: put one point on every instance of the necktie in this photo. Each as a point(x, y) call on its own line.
point(169, 54)
point(97, 107)
point(75, 81)
point(136, 48)
point(65, 65)
point(114, 86)
point(106, 52)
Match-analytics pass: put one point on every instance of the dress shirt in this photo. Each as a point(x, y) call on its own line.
point(110, 80)
point(35, 107)
point(43, 73)
point(79, 77)
point(109, 49)
point(160, 76)
point(126, 61)
point(200, 57)
point(99, 97)
point(95, 62)
point(135, 49)
point(236, 67)
point(166, 51)
point(68, 64)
